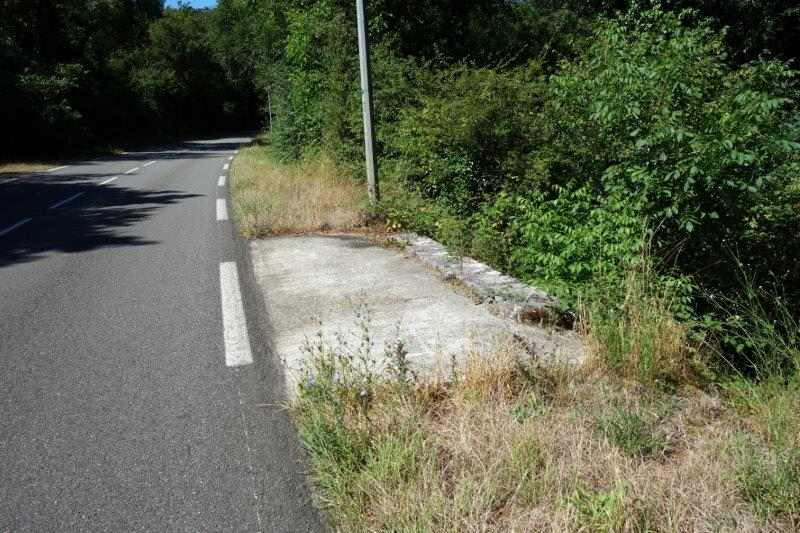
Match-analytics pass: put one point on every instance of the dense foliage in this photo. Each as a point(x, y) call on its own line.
point(556, 140)
point(76, 74)
point(564, 146)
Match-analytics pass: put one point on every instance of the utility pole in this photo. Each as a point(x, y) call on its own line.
point(366, 103)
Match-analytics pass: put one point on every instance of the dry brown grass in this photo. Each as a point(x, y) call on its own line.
point(272, 198)
point(510, 447)
point(11, 167)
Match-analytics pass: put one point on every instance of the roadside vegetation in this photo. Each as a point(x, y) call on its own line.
point(313, 194)
point(507, 443)
point(642, 166)
point(638, 159)
point(79, 76)
point(10, 168)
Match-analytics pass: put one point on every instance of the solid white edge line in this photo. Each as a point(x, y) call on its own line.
point(15, 226)
point(66, 201)
point(109, 180)
point(221, 181)
point(148, 164)
point(131, 171)
point(222, 210)
point(234, 322)
point(57, 168)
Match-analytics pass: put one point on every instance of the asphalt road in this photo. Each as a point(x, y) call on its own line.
point(133, 394)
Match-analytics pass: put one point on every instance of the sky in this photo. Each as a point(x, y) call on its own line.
point(193, 3)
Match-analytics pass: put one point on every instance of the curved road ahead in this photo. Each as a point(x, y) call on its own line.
point(135, 394)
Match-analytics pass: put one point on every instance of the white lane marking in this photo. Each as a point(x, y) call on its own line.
point(131, 171)
point(57, 168)
point(230, 158)
point(66, 201)
point(234, 323)
point(221, 181)
point(148, 164)
point(222, 210)
point(109, 180)
point(15, 226)
point(226, 166)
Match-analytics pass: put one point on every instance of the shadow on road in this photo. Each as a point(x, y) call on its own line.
point(184, 150)
point(95, 220)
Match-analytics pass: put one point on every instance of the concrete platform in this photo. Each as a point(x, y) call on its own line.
point(317, 283)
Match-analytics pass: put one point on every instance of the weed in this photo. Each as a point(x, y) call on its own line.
point(605, 511)
point(631, 433)
point(640, 337)
point(313, 194)
point(769, 480)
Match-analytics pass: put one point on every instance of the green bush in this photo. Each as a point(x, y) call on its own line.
point(654, 114)
point(572, 243)
point(470, 137)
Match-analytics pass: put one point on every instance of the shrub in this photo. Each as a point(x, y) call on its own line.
point(655, 115)
point(572, 244)
point(470, 136)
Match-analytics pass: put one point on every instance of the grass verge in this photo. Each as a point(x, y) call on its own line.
point(313, 194)
point(21, 167)
point(505, 443)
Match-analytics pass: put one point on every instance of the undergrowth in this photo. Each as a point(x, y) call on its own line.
point(504, 442)
point(271, 197)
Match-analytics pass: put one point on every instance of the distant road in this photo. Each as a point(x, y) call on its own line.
point(135, 390)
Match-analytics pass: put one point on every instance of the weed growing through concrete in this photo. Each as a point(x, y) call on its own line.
point(507, 443)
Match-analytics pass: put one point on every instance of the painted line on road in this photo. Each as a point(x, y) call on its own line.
point(66, 201)
point(148, 164)
point(131, 171)
point(226, 166)
point(221, 181)
point(109, 180)
point(234, 323)
point(57, 168)
point(230, 158)
point(222, 210)
point(15, 226)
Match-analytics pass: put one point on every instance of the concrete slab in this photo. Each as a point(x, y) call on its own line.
point(316, 283)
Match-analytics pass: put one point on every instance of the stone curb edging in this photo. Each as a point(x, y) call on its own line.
point(504, 295)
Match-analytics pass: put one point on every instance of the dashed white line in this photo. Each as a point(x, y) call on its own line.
point(66, 201)
point(57, 168)
point(226, 166)
point(148, 164)
point(234, 323)
point(230, 158)
point(131, 171)
point(222, 209)
point(15, 226)
point(221, 181)
point(109, 180)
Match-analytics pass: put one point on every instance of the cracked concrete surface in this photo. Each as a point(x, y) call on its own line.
point(317, 282)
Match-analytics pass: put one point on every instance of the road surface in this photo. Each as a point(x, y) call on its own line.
point(135, 394)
